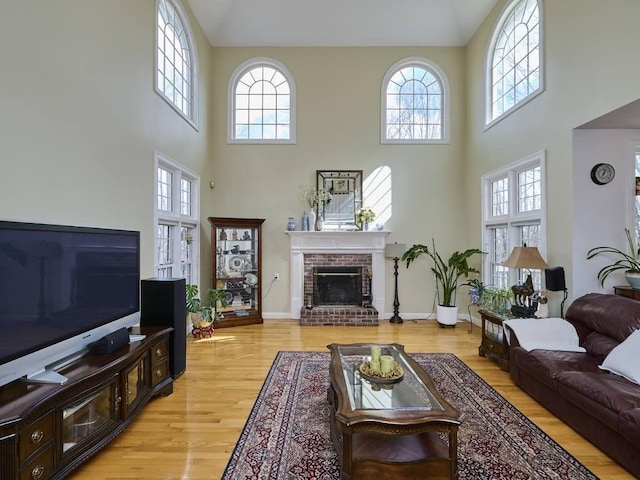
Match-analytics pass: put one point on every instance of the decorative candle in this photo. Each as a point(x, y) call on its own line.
point(375, 353)
point(386, 363)
point(374, 365)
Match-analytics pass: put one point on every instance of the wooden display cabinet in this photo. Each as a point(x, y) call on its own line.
point(236, 256)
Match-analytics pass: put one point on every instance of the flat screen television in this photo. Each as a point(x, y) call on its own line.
point(62, 288)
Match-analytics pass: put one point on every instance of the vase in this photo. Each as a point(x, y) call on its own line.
point(305, 222)
point(312, 220)
point(366, 226)
point(291, 224)
point(319, 223)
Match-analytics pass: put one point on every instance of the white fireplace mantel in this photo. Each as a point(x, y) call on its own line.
point(339, 242)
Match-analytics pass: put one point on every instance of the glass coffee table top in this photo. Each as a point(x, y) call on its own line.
point(408, 393)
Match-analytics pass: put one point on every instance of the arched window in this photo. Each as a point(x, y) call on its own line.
point(176, 60)
point(415, 103)
point(514, 62)
point(262, 103)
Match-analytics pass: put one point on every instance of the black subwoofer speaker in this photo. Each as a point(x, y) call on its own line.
point(554, 279)
point(163, 305)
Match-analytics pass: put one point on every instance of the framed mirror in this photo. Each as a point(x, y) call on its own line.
point(345, 187)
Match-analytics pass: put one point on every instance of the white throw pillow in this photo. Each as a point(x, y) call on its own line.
point(624, 360)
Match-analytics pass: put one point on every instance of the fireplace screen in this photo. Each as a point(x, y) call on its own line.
point(337, 286)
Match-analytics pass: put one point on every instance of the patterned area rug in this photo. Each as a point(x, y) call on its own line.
point(287, 434)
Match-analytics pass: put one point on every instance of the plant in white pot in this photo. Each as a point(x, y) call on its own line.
point(629, 262)
point(447, 274)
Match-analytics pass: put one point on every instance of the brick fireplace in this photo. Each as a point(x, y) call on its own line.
point(359, 252)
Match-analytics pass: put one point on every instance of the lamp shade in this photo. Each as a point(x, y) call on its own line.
point(394, 250)
point(525, 257)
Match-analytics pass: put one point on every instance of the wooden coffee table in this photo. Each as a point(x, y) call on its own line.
point(403, 430)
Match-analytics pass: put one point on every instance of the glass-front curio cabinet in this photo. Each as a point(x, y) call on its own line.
point(236, 255)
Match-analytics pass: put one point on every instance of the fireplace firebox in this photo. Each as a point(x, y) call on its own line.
point(337, 286)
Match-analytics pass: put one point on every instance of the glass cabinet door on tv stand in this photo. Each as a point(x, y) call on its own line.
point(236, 256)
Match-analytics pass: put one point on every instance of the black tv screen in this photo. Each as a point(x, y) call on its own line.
point(57, 282)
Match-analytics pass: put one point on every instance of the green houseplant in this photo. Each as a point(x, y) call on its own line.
point(203, 315)
point(629, 262)
point(476, 291)
point(498, 299)
point(447, 274)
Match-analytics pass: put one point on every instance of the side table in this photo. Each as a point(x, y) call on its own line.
point(627, 291)
point(494, 342)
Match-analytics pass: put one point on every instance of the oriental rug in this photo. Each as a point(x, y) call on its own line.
point(287, 434)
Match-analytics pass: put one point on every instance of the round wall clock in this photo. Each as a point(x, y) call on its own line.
point(602, 173)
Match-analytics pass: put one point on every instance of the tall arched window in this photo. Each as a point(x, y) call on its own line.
point(176, 60)
point(514, 62)
point(262, 103)
point(415, 103)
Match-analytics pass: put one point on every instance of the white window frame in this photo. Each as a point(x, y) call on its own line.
point(192, 116)
point(439, 74)
point(490, 120)
point(175, 218)
point(513, 220)
point(238, 73)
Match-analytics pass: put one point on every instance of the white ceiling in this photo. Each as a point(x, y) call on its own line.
point(338, 23)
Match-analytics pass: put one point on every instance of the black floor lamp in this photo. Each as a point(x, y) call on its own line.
point(395, 251)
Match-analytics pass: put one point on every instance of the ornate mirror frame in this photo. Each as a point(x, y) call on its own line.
point(345, 187)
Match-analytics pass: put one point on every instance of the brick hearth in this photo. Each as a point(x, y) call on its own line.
point(340, 316)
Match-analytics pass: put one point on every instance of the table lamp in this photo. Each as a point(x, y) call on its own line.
point(395, 251)
point(529, 258)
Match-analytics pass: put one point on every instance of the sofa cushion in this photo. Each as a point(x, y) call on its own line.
point(612, 392)
point(625, 359)
point(599, 344)
point(630, 425)
point(613, 315)
point(545, 364)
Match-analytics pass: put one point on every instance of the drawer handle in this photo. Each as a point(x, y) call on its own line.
point(159, 352)
point(37, 472)
point(159, 373)
point(37, 436)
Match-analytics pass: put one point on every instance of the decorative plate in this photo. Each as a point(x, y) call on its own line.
point(236, 263)
point(396, 375)
point(251, 279)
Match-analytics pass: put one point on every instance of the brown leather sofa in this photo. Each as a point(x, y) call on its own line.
point(603, 407)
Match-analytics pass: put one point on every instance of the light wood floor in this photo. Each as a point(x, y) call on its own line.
point(191, 434)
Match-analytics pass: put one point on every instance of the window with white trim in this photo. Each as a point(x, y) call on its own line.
point(414, 103)
point(513, 205)
point(176, 219)
point(514, 62)
point(262, 103)
point(176, 60)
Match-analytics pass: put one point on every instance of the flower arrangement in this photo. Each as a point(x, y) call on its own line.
point(365, 215)
point(312, 197)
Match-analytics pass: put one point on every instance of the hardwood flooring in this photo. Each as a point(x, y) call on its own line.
point(190, 434)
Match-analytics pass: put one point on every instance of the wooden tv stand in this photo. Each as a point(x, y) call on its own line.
point(48, 430)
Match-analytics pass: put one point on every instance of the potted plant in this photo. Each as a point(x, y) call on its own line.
point(364, 217)
point(629, 262)
point(476, 291)
point(498, 299)
point(447, 275)
point(204, 315)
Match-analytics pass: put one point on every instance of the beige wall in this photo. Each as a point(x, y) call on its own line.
point(590, 47)
point(79, 119)
point(338, 125)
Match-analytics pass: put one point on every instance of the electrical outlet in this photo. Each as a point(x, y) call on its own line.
point(276, 276)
